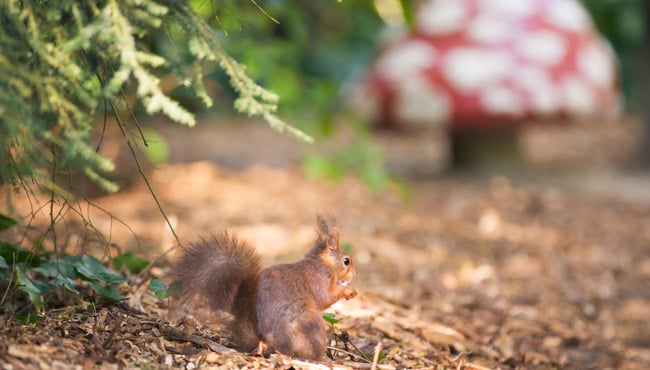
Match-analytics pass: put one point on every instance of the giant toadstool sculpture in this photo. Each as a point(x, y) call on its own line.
point(482, 67)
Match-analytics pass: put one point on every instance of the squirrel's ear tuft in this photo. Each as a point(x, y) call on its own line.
point(333, 240)
point(328, 231)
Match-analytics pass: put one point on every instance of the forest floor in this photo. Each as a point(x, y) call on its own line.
point(541, 267)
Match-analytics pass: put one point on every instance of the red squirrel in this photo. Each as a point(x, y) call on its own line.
point(277, 307)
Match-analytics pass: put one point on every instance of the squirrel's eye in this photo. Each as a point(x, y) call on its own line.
point(346, 261)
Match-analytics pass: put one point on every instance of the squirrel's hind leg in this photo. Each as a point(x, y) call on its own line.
point(304, 337)
point(244, 335)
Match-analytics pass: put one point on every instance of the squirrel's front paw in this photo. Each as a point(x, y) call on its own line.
point(349, 293)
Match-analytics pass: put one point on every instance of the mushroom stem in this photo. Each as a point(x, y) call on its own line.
point(472, 148)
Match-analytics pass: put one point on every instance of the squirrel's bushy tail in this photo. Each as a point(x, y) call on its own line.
point(215, 268)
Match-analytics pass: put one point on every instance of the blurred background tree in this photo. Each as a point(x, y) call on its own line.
point(623, 23)
point(303, 51)
point(645, 61)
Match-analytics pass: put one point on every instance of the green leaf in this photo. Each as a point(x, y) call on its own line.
point(65, 282)
point(330, 317)
point(370, 356)
point(132, 263)
point(34, 288)
point(13, 254)
point(29, 319)
point(407, 10)
point(59, 267)
point(156, 148)
point(93, 270)
point(108, 292)
point(321, 167)
point(6, 222)
point(375, 177)
point(3, 263)
point(158, 288)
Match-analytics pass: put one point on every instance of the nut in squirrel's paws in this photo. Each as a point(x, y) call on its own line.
point(349, 293)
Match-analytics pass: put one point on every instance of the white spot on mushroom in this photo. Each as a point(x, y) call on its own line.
point(441, 17)
point(420, 102)
point(489, 30)
point(595, 63)
point(578, 96)
point(544, 47)
point(568, 15)
point(406, 58)
point(538, 86)
point(507, 9)
point(501, 100)
point(471, 69)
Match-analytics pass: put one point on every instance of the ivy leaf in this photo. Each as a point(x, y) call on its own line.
point(6, 222)
point(34, 289)
point(108, 292)
point(62, 273)
point(16, 255)
point(132, 262)
point(65, 282)
point(330, 317)
point(92, 269)
point(158, 288)
point(61, 267)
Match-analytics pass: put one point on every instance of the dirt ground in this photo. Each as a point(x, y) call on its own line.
point(545, 266)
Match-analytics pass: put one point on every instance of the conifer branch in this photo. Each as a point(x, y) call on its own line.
point(253, 99)
point(50, 93)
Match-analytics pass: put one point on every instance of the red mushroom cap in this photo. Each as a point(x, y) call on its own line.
point(492, 62)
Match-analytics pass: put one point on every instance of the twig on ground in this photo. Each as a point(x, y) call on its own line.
point(348, 353)
point(375, 358)
point(175, 334)
point(346, 340)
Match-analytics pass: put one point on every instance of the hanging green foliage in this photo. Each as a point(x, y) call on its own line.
point(65, 63)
